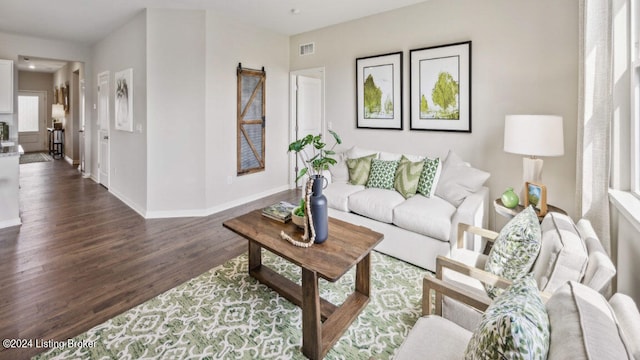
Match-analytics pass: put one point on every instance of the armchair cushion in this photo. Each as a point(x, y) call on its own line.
point(436, 338)
point(515, 325)
point(515, 249)
point(584, 325)
point(563, 255)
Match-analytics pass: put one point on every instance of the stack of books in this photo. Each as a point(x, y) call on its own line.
point(280, 211)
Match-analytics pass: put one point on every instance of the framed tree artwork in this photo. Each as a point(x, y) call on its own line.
point(441, 88)
point(379, 91)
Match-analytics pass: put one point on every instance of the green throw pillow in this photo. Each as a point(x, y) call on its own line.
point(515, 249)
point(429, 176)
point(382, 174)
point(514, 326)
point(359, 169)
point(407, 177)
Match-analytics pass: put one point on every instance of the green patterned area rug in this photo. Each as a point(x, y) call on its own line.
point(34, 157)
point(226, 314)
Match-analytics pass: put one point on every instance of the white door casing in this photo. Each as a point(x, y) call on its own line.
point(103, 128)
point(307, 108)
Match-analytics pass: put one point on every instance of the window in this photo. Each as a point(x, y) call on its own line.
point(28, 113)
point(634, 62)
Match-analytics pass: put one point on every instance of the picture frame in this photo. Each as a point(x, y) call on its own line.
point(536, 195)
point(124, 100)
point(65, 97)
point(440, 85)
point(379, 91)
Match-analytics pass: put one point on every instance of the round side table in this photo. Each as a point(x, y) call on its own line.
point(510, 213)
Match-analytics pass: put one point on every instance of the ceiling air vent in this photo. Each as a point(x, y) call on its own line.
point(307, 49)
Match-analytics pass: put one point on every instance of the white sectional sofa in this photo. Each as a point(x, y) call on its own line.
point(419, 228)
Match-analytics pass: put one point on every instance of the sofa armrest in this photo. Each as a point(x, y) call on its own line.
point(466, 228)
point(442, 288)
point(474, 210)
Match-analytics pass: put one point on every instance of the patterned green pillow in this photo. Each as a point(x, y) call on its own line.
point(514, 326)
point(359, 169)
point(407, 177)
point(382, 174)
point(429, 176)
point(515, 249)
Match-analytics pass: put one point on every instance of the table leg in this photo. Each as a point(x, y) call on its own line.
point(363, 275)
point(255, 255)
point(311, 322)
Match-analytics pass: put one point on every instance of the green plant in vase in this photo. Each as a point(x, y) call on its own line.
point(318, 159)
point(315, 158)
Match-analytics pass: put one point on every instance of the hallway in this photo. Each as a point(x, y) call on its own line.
point(82, 256)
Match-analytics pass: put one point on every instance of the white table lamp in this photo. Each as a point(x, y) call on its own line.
point(533, 135)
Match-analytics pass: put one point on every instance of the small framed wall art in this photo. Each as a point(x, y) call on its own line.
point(379, 91)
point(536, 195)
point(124, 100)
point(441, 88)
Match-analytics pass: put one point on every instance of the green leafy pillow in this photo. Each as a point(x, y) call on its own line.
point(515, 249)
point(429, 176)
point(514, 326)
point(407, 177)
point(359, 169)
point(382, 174)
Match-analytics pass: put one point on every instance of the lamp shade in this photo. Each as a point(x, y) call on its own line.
point(534, 135)
point(57, 111)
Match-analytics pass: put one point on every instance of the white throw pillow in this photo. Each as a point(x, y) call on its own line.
point(459, 180)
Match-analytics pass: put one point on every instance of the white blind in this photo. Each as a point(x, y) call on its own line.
point(28, 113)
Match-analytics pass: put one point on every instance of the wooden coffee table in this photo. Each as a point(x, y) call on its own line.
point(322, 322)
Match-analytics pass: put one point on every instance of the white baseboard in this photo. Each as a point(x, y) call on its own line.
point(88, 175)
point(9, 223)
point(137, 208)
point(214, 209)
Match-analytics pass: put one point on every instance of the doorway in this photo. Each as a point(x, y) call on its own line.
point(307, 110)
point(32, 120)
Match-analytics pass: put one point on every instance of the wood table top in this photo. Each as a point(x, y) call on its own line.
point(346, 246)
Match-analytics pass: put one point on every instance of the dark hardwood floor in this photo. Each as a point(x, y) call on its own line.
point(82, 256)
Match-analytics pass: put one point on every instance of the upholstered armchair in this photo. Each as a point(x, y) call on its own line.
point(576, 322)
point(568, 252)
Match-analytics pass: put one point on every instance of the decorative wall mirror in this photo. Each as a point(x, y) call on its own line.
point(251, 120)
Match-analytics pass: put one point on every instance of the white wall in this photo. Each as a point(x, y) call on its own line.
point(124, 48)
point(524, 60)
point(229, 43)
point(176, 95)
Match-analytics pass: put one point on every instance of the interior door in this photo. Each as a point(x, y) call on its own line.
point(32, 120)
point(308, 108)
point(103, 129)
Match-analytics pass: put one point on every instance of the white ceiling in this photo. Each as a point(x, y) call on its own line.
point(87, 21)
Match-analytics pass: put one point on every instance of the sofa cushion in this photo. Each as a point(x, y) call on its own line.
point(429, 177)
point(426, 216)
point(376, 204)
point(459, 180)
point(359, 169)
point(407, 177)
point(338, 195)
point(583, 325)
point(514, 326)
point(515, 249)
point(382, 174)
point(433, 337)
point(563, 255)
